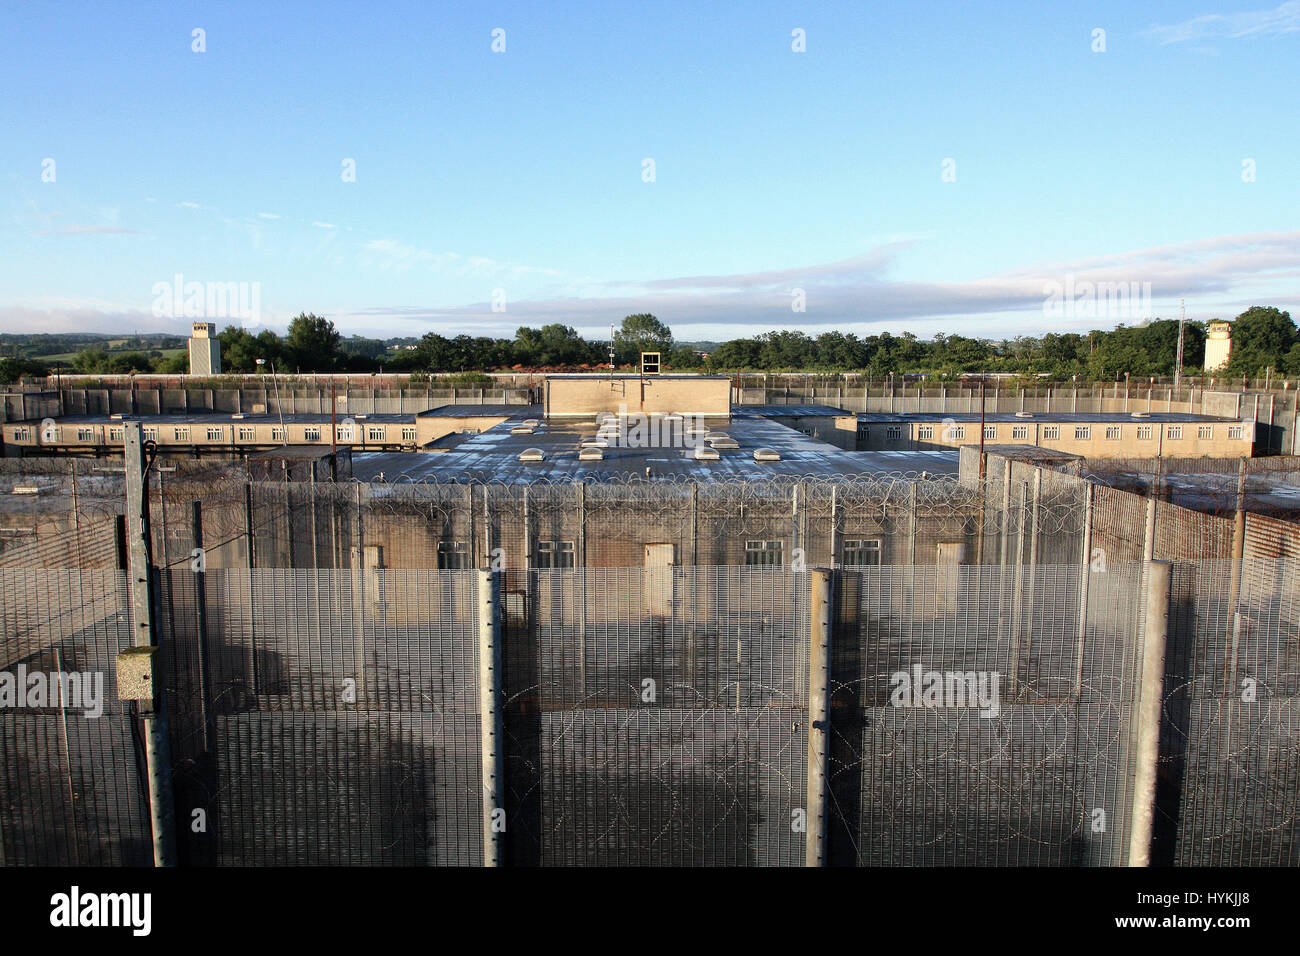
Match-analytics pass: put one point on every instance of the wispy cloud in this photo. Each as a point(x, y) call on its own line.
point(189, 205)
point(856, 293)
point(267, 215)
point(396, 256)
point(1280, 20)
point(85, 231)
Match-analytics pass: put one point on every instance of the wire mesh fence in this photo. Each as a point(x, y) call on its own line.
point(320, 651)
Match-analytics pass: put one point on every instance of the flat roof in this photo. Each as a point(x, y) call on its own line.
point(482, 411)
point(1113, 418)
point(792, 411)
point(636, 377)
point(494, 455)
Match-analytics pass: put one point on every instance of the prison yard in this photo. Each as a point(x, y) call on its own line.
point(651, 618)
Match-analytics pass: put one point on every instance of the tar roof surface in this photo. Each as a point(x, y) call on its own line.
point(483, 411)
point(1049, 417)
point(494, 455)
point(790, 411)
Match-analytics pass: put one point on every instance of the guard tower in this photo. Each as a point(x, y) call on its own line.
point(205, 349)
point(1218, 345)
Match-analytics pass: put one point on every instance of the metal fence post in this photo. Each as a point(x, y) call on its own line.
point(1150, 697)
point(140, 580)
point(819, 714)
point(490, 725)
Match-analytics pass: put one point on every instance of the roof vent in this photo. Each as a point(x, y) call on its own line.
point(766, 454)
point(593, 443)
point(521, 430)
point(1141, 414)
point(116, 416)
point(590, 454)
point(724, 443)
point(1024, 414)
point(237, 415)
point(704, 453)
point(531, 422)
point(26, 490)
point(532, 454)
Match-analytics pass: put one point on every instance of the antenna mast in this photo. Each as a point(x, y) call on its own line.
point(1178, 364)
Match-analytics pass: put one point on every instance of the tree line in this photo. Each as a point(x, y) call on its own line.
point(1263, 338)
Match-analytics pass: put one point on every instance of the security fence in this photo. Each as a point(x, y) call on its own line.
point(320, 646)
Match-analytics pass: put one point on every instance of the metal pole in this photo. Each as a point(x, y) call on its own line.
point(1085, 582)
point(819, 679)
point(490, 726)
point(201, 622)
point(1150, 692)
point(154, 712)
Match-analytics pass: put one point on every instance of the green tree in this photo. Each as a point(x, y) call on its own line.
point(1262, 337)
point(312, 344)
point(641, 333)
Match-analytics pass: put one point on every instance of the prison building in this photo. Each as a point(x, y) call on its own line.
point(1091, 435)
point(202, 434)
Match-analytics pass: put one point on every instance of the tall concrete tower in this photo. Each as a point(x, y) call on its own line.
point(205, 349)
point(1218, 345)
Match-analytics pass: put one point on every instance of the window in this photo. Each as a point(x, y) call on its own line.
point(864, 432)
point(1112, 433)
point(1204, 432)
point(1019, 432)
point(893, 432)
point(22, 434)
point(956, 432)
point(246, 434)
point(408, 434)
point(925, 432)
point(182, 433)
point(1175, 432)
point(1082, 432)
point(115, 434)
point(345, 433)
point(214, 434)
point(764, 553)
point(85, 434)
point(149, 433)
point(1051, 432)
point(555, 554)
point(1236, 432)
point(277, 433)
point(453, 555)
point(311, 433)
point(862, 553)
point(990, 432)
point(375, 433)
point(1144, 433)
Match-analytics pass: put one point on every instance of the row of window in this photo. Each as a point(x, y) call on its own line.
point(859, 552)
point(216, 433)
point(1051, 432)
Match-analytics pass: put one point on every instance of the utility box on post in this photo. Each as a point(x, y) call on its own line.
point(135, 680)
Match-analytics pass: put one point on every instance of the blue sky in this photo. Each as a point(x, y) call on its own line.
point(519, 174)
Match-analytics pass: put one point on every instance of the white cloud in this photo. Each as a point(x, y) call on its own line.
point(1280, 20)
